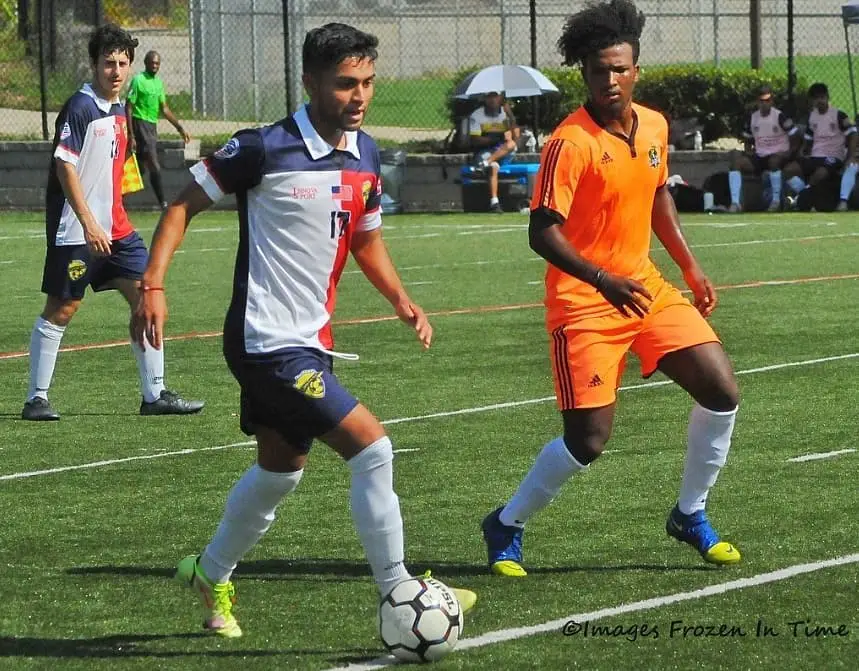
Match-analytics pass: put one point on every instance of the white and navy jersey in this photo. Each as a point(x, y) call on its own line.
point(90, 134)
point(828, 133)
point(299, 202)
point(771, 133)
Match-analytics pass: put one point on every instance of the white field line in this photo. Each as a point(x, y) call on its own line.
point(415, 418)
point(737, 243)
point(503, 635)
point(820, 455)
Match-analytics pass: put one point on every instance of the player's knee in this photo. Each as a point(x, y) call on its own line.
point(373, 456)
point(722, 397)
point(586, 448)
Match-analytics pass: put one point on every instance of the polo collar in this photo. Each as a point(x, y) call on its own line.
point(316, 145)
point(101, 103)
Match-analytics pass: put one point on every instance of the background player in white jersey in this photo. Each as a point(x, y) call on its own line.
point(90, 240)
point(772, 139)
point(309, 192)
point(831, 140)
point(493, 134)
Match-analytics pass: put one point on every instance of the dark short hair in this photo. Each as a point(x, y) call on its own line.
point(818, 90)
point(325, 47)
point(598, 26)
point(109, 38)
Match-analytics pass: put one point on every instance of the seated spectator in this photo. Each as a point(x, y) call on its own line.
point(493, 134)
point(772, 139)
point(830, 141)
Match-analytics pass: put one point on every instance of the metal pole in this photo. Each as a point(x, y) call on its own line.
point(97, 13)
point(716, 56)
point(850, 70)
point(222, 60)
point(43, 80)
point(791, 66)
point(503, 35)
point(755, 34)
point(287, 48)
point(535, 106)
point(23, 19)
point(254, 64)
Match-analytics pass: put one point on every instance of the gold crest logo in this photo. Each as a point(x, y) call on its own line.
point(310, 383)
point(77, 269)
point(653, 156)
point(366, 187)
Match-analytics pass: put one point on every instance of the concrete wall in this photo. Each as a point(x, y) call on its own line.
point(431, 183)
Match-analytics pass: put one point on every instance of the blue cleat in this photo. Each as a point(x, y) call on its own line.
point(696, 530)
point(503, 546)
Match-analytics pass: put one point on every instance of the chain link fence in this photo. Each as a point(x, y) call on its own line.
point(228, 59)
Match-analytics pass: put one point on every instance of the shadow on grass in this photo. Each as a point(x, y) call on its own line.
point(129, 645)
point(342, 570)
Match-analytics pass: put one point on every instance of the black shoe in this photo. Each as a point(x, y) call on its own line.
point(39, 410)
point(495, 208)
point(170, 403)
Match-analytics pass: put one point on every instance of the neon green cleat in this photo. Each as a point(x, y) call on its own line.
point(466, 597)
point(509, 569)
point(217, 600)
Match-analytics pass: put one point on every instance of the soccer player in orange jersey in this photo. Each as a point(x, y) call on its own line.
point(600, 191)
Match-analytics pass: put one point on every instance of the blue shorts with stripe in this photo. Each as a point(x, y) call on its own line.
point(70, 269)
point(293, 391)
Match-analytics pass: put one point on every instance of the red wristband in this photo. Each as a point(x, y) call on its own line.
point(146, 287)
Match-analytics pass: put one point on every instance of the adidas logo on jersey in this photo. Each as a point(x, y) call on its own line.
point(596, 381)
point(606, 158)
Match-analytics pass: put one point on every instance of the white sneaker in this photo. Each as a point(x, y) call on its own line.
point(842, 206)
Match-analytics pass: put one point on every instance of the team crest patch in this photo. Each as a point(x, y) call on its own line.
point(77, 269)
point(366, 187)
point(228, 150)
point(653, 156)
point(66, 131)
point(310, 383)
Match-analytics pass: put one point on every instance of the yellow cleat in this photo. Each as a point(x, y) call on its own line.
point(216, 599)
point(723, 554)
point(509, 569)
point(466, 598)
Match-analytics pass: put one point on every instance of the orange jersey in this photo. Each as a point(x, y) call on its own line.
point(602, 186)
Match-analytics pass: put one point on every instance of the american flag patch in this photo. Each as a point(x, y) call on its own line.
point(341, 192)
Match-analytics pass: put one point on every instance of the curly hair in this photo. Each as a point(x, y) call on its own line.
point(598, 26)
point(109, 38)
point(325, 47)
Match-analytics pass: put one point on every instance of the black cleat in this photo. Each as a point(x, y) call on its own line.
point(39, 410)
point(495, 208)
point(170, 403)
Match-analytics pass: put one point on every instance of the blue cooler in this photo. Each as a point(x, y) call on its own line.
point(515, 186)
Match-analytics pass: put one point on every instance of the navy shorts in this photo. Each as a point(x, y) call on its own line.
point(811, 164)
point(70, 269)
point(294, 392)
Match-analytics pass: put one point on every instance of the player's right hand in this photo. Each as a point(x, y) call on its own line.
point(150, 315)
point(96, 239)
point(627, 295)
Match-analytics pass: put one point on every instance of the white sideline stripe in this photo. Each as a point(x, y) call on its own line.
point(401, 420)
point(503, 635)
point(820, 455)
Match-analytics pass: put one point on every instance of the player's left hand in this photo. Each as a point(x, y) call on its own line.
point(703, 291)
point(414, 316)
point(186, 136)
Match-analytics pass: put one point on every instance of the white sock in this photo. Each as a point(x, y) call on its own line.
point(552, 468)
point(735, 183)
point(775, 184)
point(848, 181)
point(44, 345)
point(493, 200)
point(796, 184)
point(708, 443)
point(376, 513)
point(150, 367)
point(249, 513)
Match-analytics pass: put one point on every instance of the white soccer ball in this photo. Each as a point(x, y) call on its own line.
point(420, 620)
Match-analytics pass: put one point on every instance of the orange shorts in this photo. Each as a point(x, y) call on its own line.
point(589, 354)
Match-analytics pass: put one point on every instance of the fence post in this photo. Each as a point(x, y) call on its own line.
point(43, 83)
point(755, 34)
point(535, 107)
point(97, 13)
point(791, 66)
point(287, 48)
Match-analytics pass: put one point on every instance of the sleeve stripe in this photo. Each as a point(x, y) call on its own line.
point(207, 181)
point(370, 220)
point(547, 186)
point(66, 154)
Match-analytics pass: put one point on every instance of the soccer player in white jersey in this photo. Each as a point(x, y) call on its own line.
point(831, 140)
point(90, 241)
point(309, 192)
point(772, 139)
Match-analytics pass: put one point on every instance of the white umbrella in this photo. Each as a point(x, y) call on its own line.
point(514, 81)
